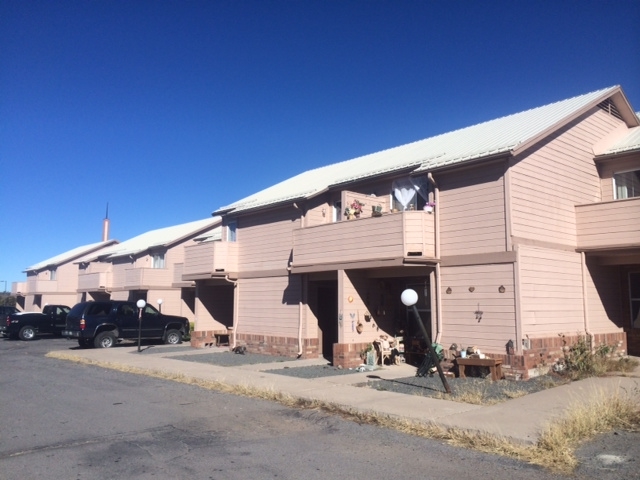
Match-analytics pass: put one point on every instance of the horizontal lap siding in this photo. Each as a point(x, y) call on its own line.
point(269, 306)
point(265, 240)
point(199, 258)
point(550, 292)
point(460, 325)
point(471, 210)
point(548, 181)
point(350, 240)
point(615, 223)
point(67, 277)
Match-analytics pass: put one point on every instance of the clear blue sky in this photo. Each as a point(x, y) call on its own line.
point(168, 110)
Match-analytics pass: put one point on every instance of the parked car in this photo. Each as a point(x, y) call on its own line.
point(26, 325)
point(5, 311)
point(103, 324)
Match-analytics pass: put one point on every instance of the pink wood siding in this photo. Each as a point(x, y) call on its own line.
point(67, 278)
point(471, 207)
point(265, 240)
point(604, 311)
point(145, 278)
point(210, 257)
point(118, 277)
point(394, 235)
point(213, 307)
point(93, 281)
point(460, 325)
point(269, 306)
point(614, 224)
point(550, 291)
point(39, 286)
point(547, 182)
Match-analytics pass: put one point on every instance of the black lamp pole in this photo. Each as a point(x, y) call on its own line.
point(432, 352)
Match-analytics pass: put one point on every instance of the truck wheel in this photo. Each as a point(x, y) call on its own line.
point(173, 337)
point(27, 333)
point(105, 340)
point(84, 343)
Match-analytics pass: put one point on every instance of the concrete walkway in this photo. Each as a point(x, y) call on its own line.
point(521, 419)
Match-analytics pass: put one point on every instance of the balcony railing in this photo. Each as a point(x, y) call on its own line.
point(19, 288)
point(609, 225)
point(143, 278)
point(37, 287)
point(393, 236)
point(93, 282)
point(209, 258)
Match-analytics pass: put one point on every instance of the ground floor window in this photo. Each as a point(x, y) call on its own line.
point(634, 295)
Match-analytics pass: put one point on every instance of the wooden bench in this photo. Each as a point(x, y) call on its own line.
point(495, 366)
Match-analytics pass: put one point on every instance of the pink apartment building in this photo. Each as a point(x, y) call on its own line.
point(147, 267)
point(514, 232)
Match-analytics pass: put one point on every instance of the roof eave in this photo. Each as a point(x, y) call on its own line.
point(613, 92)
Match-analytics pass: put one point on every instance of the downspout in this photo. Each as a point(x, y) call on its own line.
point(583, 266)
point(436, 228)
point(235, 309)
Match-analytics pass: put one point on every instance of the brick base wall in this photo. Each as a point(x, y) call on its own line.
point(544, 352)
point(348, 355)
point(280, 346)
point(206, 338)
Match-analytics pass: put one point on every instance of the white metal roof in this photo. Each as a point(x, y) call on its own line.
point(65, 257)
point(631, 141)
point(162, 237)
point(503, 135)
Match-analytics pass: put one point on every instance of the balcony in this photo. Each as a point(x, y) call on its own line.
point(176, 280)
point(208, 259)
point(19, 289)
point(38, 287)
point(606, 226)
point(392, 239)
point(145, 278)
point(93, 282)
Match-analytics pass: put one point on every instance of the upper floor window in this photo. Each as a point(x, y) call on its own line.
point(626, 184)
point(52, 273)
point(232, 231)
point(410, 193)
point(158, 260)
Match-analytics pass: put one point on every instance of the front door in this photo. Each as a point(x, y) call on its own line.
point(328, 318)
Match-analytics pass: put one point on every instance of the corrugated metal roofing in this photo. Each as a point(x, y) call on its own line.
point(70, 255)
point(502, 135)
point(156, 238)
point(631, 141)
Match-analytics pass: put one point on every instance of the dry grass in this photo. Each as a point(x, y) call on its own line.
point(554, 450)
point(478, 394)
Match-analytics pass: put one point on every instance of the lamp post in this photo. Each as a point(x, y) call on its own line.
point(409, 297)
point(160, 302)
point(140, 304)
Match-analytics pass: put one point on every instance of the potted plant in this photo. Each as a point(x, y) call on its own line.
point(354, 209)
point(429, 206)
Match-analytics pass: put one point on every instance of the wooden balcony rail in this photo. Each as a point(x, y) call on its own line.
point(209, 258)
point(401, 235)
point(608, 225)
